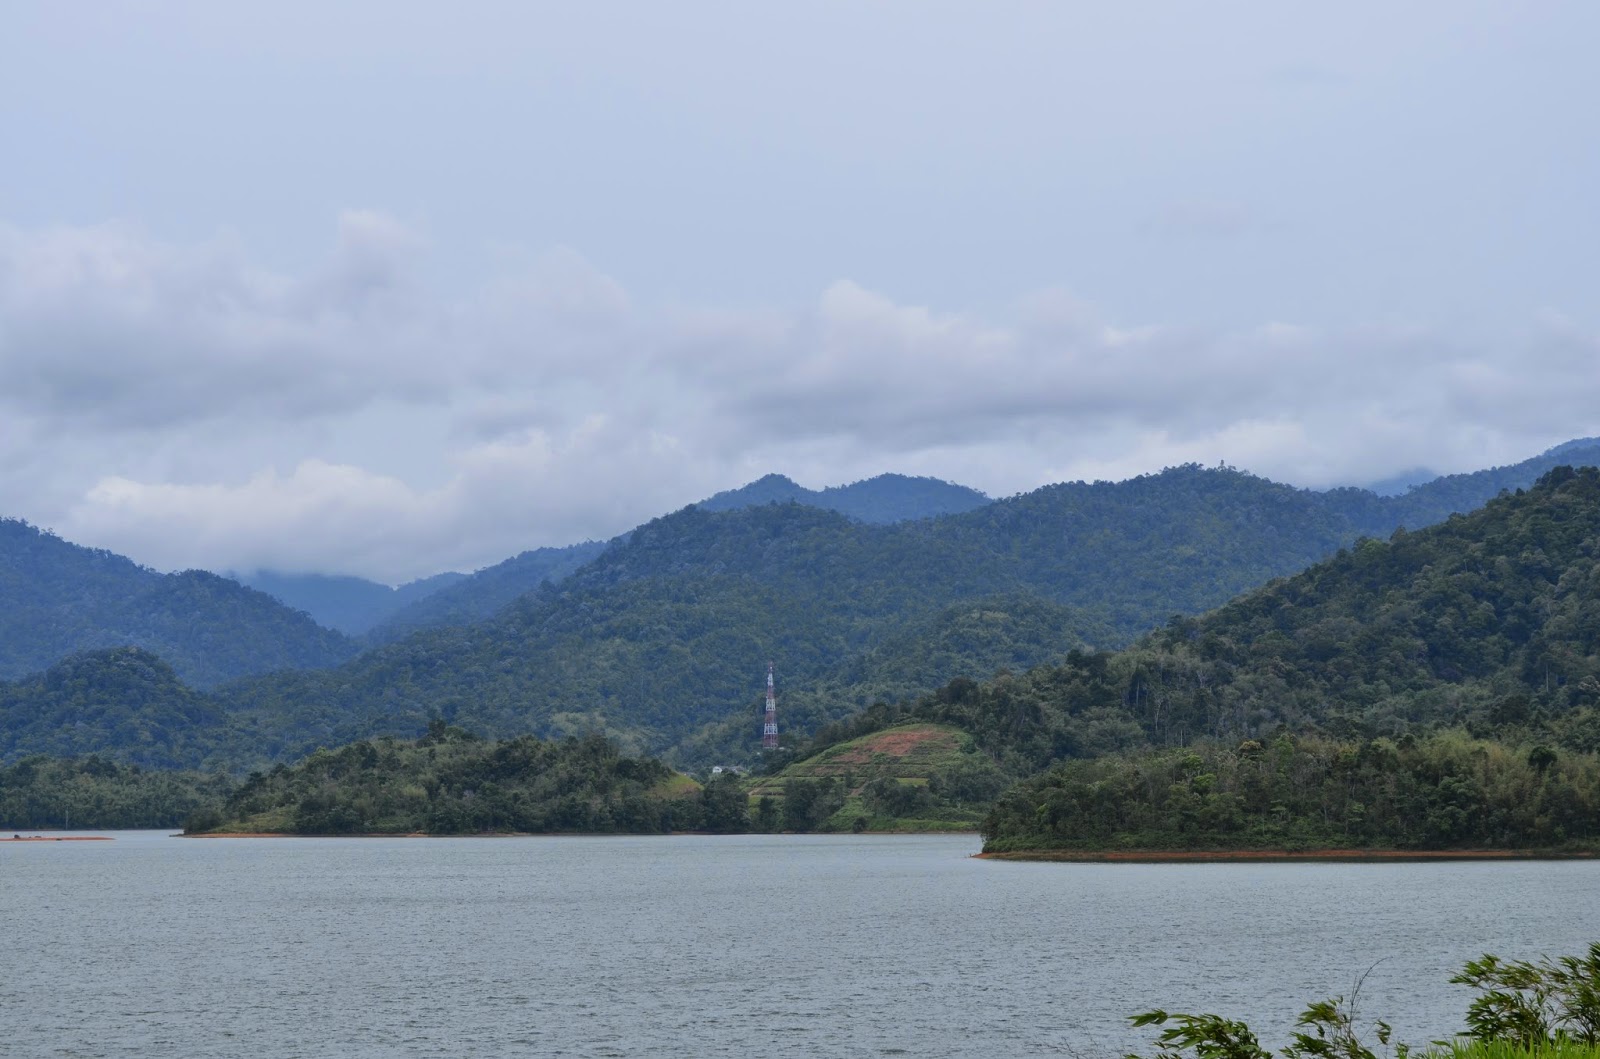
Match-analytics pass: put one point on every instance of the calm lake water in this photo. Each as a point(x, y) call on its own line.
point(737, 946)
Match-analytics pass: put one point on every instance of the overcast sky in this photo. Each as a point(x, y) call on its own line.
point(390, 288)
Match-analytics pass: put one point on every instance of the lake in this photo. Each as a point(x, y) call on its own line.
point(723, 946)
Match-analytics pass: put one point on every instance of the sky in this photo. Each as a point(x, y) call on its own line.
point(390, 288)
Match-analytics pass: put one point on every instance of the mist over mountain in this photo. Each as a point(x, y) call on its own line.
point(352, 605)
point(884, 499)
point(474, 597)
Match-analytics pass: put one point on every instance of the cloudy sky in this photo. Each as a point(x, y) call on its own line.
point(389, 288)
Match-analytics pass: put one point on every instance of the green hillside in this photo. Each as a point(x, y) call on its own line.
point(94, 793)
point(1489, 621)
point(913, 777)
point(352, 605)
point(451, 782)
point(57, 599)
point(123, 702)
point(480, 595)
point(661, 639)
point(1444, 791)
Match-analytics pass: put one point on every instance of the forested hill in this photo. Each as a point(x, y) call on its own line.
point(352, 605)
point(383, 615)
point(123, 702)
point(669, 632)
point(482, 594)
point(1489, 621)
point(57, 599)
point(885, 499)
point(662, 639)
point(1443, 791)
point(451, 782)
point(1438, 499)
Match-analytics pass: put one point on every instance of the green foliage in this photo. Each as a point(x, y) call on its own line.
point(724, 809)
point(1326, 1031)
point(919, 777)
point(1474, 1049)
point(1544, 1010)
point(452, 782)
point(807, 803)
point(57, 599)
point(1442, 791)
point(95, 793)
point(483, 594)
point(1490, 622)
point(1532, 1004)
point(1210, 1036)
point(1487, 621)
point(124, 703)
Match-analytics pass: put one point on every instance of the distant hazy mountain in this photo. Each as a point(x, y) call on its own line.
point(1455, 494)
point(57, 599)
point(352, 605)
point(477, 596)
point(884, 499)
point(1397, 484)
point(1567, 449)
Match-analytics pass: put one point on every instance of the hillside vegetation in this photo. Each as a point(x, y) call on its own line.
point(661, 639)
point(915, 777)
point(451, 782)
point(91, 792)
point(1444, 791)
point(884, 499)
point(125, 703)
point(58, 599)
point(1490, 621)
point(478, 596)
point(352, 605)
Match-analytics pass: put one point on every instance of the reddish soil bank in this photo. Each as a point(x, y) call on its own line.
point(56, 838)
point(1161, 856)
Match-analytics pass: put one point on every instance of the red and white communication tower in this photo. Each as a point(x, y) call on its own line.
point(769, 730)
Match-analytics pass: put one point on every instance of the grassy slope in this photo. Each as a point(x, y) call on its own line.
point(908, 754)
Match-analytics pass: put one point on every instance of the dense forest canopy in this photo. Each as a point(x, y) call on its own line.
point(1489, 621)
point(452, 782)
point(1443, 791)
point(660, 640)
point(92, 792)
point(58, 599)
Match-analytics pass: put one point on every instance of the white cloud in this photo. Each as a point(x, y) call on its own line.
point(182, 404)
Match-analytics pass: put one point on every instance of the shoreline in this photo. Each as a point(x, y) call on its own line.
point(568, 834)
point(1178, 856)
point(58, 838)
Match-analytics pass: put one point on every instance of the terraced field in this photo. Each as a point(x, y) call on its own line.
point(909, 755)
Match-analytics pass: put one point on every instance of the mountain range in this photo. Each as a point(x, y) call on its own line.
point(661, 636)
